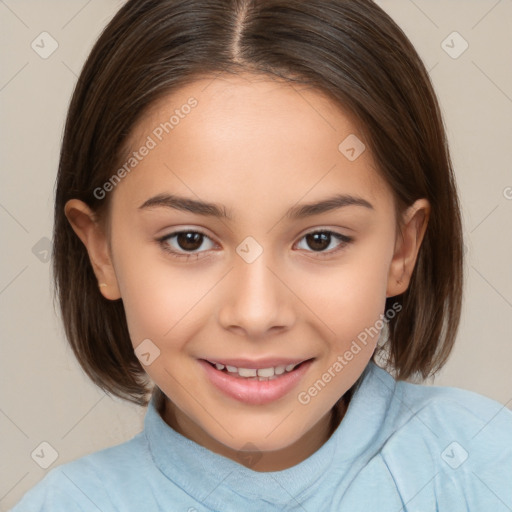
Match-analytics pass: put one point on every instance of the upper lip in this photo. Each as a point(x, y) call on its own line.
point(270, 362)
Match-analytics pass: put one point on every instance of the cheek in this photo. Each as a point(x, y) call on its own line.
point(160, 300)
point(348, 297)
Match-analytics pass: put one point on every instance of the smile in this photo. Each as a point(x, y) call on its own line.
point(255, 386)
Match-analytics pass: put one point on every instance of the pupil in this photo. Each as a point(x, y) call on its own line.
point(318, 240)
point(189, 241)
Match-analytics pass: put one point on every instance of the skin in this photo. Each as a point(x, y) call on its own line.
point(258, 147)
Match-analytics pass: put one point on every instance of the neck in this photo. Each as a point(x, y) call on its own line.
point(276, 460)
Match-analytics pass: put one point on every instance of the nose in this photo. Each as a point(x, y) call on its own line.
point(256, 300)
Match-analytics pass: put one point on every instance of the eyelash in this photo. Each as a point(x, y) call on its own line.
point(346, 240)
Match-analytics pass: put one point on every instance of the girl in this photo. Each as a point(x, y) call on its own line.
point(255, 205)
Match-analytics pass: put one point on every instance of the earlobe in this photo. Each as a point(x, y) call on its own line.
point(85, 224)
point(407, 246)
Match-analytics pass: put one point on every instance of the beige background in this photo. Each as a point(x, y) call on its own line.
point(45, 397)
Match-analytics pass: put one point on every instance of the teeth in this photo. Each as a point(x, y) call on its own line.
point(278, 370)
point(247, 372)
point(265, 372)
point(262, 373)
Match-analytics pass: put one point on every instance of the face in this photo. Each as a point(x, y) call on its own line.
point(254, 279)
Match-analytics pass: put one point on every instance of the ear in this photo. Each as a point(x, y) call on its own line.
point(85, 224)
point(407, 245)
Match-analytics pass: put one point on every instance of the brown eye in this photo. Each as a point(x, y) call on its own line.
point(319, 241)
point(189, 240)
point(183, 244)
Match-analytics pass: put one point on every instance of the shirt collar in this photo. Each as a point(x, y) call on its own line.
point(214, 480)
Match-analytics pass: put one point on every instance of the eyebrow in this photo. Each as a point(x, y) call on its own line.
point(216, 210)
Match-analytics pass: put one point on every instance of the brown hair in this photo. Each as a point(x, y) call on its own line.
point(350, 50)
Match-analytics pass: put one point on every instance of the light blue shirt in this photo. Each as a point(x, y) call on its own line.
point(400, 447)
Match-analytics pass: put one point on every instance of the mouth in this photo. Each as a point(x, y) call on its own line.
point(256, 383)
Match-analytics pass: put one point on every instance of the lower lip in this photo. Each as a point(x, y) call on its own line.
point(255, 392)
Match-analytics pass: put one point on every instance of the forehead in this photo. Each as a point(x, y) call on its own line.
point(248, 135)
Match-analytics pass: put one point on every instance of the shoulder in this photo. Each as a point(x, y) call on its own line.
point(453, 411)
point(440, 410)
point(60, 491)
point(456, 442)
point(87, 483)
